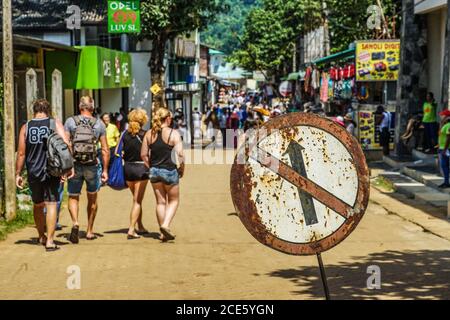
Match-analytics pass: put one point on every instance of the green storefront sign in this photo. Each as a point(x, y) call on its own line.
point(102, 68)
point(124, 17)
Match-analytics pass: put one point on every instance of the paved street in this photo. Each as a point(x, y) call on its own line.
point(214, 257)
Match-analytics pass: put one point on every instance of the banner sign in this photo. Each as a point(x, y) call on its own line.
point(102, 68)
point(124, 17)
point(369, 132)
point(377, 60)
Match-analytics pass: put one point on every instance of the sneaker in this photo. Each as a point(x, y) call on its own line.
point(58, 227)
point(444, 186)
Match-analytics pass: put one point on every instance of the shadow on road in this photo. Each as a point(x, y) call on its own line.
point(421, 274)
point(34, 242)
point(152, 235)
point(81, 235)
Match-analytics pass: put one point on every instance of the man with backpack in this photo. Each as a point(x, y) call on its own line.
point(85, 132)
point(43, 148)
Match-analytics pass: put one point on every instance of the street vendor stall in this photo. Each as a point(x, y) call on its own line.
point(377, 66)
point(354, 83)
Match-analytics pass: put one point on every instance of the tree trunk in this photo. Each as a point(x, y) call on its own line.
point(158, 69)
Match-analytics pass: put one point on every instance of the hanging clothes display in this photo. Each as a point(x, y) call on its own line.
point(330, 89)
point(315, 79)
point(324, 87)
point(308, 79)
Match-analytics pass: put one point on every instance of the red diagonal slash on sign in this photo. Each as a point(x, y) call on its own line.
point(306, 185)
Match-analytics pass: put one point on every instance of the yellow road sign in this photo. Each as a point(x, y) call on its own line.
point(155, 89)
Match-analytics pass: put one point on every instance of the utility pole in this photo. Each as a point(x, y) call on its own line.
point(9, 121)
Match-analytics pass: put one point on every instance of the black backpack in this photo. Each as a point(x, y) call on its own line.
point(59, 158)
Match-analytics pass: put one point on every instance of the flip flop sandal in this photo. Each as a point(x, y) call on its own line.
point(132, 237)
point(52, 249)
point(91, 238)
point(74, 235)
point(168, 235)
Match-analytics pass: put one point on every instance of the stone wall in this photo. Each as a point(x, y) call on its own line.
point(446, 82)
point(412, 83)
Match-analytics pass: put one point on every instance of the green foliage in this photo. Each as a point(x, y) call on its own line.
point(346, 25)
point(173, 17)
point(23, 219)
point(221, 34)
point(272, 31)
point(163, 20)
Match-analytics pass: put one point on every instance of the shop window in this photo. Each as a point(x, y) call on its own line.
point(183, 73)
point(171, 73)
point(391, 91)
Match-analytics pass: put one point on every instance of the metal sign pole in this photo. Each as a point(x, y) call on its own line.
point(323, 276)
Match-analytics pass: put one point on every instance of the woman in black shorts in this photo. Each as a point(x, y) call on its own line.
point(136, 173)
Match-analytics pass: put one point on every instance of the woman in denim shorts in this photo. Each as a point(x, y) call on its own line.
point(162, 148)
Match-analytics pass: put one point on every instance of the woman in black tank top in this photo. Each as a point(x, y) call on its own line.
point(161, 152)
point(136, 173)
point(161, 149)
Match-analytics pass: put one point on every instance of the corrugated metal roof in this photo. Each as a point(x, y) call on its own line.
point(52, 13)
point(21, 40)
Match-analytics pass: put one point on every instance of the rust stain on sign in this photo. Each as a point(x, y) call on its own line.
point(304, 186)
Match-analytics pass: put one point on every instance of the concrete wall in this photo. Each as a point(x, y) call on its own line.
point(140, 95)
point(411, 87)
point(111, 100)
point(437, 23)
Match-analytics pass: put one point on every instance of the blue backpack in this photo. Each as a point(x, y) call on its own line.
point(116, 173)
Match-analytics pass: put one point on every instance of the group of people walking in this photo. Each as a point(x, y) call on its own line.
point(155, 155)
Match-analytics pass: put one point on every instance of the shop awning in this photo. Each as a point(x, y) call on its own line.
point(347, 54)
point(102, 68)
point(294, 76)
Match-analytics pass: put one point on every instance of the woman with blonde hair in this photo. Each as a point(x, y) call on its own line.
point(136, 173)
point(161, 150)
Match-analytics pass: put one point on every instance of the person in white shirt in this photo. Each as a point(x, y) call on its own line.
point(384, 119)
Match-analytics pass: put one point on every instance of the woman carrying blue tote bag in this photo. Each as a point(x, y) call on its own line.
point(116, 174)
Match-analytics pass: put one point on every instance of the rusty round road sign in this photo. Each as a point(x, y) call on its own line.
point(302, 186)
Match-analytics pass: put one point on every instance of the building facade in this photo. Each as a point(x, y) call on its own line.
point(425, 45)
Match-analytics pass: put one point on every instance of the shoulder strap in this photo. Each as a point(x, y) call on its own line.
point(77, 120)
point(138, 136)
point(119, 147)
point(170, 135)
point(92, 121)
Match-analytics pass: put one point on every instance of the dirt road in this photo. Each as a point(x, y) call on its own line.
point(215, 258)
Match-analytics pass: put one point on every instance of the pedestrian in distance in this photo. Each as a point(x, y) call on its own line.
point(430, 123)
point(112, 134)
point(32, 152)
point(444, 144)
point(135, 170)
point(162, 148)
point(85, 131)
point(197, 120)
point(350, 124)
point(384, 121)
